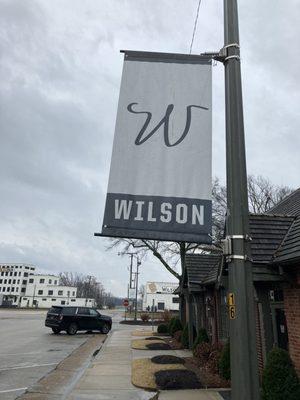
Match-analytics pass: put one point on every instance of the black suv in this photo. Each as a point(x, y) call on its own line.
point(73, 319)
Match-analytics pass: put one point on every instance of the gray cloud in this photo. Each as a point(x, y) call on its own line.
point(60, 76)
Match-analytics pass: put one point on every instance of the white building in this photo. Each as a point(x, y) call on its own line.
point(20, 286)
point(160, 295)
point(44, 291)
point(13, 281)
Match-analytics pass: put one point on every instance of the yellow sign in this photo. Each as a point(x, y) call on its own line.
point(232, 312)
point(231, 299)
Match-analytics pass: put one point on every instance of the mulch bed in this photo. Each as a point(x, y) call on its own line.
point(158, 346)
point(208, 379)
point(153, 338)
point(167, 360)
point(177, 379)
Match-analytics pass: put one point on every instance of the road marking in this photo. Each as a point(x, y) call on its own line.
point(27, 366)
point(12, 390)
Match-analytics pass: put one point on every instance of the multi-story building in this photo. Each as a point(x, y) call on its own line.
point(21, 287)
point(13, 280)
point(44, 291)
point(160, 295)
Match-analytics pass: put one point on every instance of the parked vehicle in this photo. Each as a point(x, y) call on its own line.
point(73, 319)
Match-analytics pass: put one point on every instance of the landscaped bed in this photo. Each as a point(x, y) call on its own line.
point(145, 344)
point(152, 376)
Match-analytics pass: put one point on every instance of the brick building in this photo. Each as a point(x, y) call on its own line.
point(275, 248)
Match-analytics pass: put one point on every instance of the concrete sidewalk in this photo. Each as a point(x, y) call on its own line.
point(109, 375)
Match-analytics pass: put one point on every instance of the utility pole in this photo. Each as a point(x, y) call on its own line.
point(244, 368)
point(138, 263)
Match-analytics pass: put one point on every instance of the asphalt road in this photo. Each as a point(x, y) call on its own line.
point(29, 350)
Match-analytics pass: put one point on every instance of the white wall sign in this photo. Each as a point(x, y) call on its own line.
point(160, 176)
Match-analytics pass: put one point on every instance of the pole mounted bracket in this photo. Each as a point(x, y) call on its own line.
point(222, 55)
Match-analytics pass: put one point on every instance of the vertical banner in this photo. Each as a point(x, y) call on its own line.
point(160, 176)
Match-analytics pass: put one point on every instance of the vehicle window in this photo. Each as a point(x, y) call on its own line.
point(69, 311)
point(93, 313)
point(83, 311)
point(55, 310)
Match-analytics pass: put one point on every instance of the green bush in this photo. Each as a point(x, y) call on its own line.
point(174, 326)
point(185, 337)
point(280, 381)
point(224, 362)
point(202, 337)
point(162, 328)
point(170, 324)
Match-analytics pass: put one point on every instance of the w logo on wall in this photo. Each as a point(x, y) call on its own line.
point(160, 177)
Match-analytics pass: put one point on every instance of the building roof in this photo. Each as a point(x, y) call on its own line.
point(289, 250)
point(202, 269)
point(290, 205)
point(267, 233)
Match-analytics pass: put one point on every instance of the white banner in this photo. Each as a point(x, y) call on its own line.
point(160, 177)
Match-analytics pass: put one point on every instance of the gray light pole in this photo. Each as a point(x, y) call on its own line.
point(244, 368)
point(138, 263)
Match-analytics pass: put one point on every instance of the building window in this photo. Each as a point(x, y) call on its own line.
point(175, 299)
point(50, 292)
point(18, 281)
point(55, 282)
point(31, 280)
point(44, 299)
point(160, 306)
point(73, 294)
point(63, 302)
point(3, 290)
point(17, 289)
point(42, 280)
point(14, 282)
point(8, 289)
point(24, 298)
point(25, 274)
point(15, 273)
point(60, 292)
point(23, 290)
point(20, 273)
point(1, 280)
point(53, 299)
point(73, 299)
point(50, 281)
point(5, 280)
point(40, 292)
point(12, 289)
point(24, 282)
point(10, 274)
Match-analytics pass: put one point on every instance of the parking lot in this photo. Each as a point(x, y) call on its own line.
point(29, 350)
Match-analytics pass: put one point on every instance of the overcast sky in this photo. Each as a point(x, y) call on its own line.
point(60, 77)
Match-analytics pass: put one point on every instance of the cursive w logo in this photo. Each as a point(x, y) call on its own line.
point(165, 122)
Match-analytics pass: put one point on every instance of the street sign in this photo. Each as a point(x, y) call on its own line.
point(125, 302)
point(160, 175)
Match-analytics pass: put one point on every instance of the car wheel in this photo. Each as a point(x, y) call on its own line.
point(72, 329)
point(56, 330)
point(105, 329)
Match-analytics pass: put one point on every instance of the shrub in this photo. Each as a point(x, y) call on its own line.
point(185, 337)
point(162, 328)
point(280, 381)
point(145, 317)
point(224, 363)
point(177, 336)
point(214, 358)
point(202, 337)
point(166, 316)
point(175, 325)
point(171, 323)
point(202, 351)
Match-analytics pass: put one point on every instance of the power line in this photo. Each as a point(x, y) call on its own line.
point(195, 26)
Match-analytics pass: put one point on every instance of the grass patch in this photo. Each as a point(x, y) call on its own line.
point(143, 370)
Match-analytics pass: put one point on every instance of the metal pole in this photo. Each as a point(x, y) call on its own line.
point(244, 368)
point(136, 287)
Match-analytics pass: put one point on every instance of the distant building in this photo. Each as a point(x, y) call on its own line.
point(160, 296)
point(13, 282)
point(21, 287)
